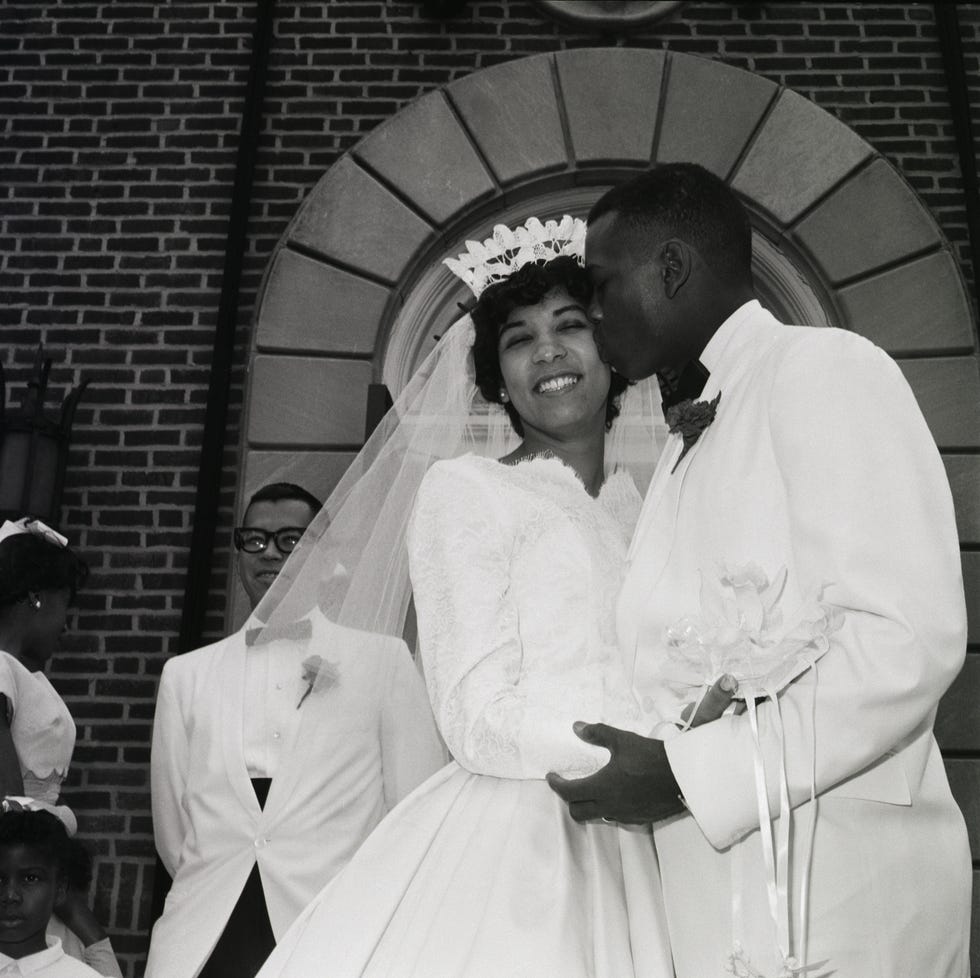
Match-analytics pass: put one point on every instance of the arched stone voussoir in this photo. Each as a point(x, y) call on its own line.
point(915, 307)
point(511, 110)
point(958, 719)
point(710, 112)
point(424, 153)
point(351, 219)
point(872, 219)
point(971, 586)
point(317, 471)
point(310, 306)
point(611, 100)
point(799, 154)
point(948, 392)
point(307, 402)
point(964, 481)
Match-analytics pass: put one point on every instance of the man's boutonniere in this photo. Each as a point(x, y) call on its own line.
point(318, 674)
point(689, 419)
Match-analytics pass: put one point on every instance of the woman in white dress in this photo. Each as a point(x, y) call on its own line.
point(39, 575)
point(515, 565)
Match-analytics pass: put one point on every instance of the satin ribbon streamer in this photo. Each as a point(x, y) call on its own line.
point(776, 840)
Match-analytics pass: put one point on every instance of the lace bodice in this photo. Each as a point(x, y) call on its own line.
point(515, 571)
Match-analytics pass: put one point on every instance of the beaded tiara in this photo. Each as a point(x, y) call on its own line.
point(502, 254)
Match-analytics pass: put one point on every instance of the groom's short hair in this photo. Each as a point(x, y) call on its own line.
point(686, 201)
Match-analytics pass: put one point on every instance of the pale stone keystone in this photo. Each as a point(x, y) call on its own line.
point(710, 112)
point(512, 112)
point(351, 219)
point(611, 100)
point(307, 306)
point(800, 153)
point(442, 173)
point(873, 219)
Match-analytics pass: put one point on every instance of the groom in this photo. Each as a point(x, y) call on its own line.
point(807, 452)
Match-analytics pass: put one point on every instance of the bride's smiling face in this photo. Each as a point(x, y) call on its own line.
point(552, 372)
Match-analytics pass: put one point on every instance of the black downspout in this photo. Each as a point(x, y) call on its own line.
point(948, 25)
point(197, 582)
point(216, 415)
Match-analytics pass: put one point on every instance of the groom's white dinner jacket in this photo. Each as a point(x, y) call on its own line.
point(360, 746)
point(819, 461)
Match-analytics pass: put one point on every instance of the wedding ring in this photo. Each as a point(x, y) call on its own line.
point(609, 821)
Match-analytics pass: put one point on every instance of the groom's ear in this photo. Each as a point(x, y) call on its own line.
point(675, 265)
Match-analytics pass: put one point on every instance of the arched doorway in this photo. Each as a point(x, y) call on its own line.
point(355, 289)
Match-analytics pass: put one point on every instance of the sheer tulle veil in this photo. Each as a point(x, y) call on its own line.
point(352, 563)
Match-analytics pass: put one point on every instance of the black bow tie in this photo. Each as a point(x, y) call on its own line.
point(685, 384)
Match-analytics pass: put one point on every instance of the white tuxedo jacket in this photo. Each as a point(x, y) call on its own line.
point(360, 747)
point(818, 460)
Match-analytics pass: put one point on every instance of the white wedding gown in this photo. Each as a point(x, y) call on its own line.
point(481, 871)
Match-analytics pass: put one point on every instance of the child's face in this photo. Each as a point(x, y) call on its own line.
point(30, 886)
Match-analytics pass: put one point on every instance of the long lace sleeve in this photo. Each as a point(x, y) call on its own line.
point(497, 715)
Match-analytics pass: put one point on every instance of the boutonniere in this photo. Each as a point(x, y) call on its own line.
point(689, 419)
point(318, 673)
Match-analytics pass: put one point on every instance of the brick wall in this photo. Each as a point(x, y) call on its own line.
point(116, 166)
point(120, 130)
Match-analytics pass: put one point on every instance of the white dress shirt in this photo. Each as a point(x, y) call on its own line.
point(273, 688)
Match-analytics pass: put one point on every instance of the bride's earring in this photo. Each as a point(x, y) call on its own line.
point(504, 398)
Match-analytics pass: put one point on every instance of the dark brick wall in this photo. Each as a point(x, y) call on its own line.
point(120, 126)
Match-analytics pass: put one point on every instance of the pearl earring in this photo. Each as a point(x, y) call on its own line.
point(503, 396)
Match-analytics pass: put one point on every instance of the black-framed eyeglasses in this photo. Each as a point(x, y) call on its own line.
point(254, 540)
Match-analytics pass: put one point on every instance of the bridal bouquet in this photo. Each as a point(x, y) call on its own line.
point(742, 631)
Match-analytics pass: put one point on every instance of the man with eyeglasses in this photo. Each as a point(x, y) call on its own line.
point(274, 521)
point(324, 768)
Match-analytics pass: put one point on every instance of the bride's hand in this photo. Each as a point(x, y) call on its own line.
point(714, 703)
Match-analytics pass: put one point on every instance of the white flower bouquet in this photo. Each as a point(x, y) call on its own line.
point(742, 632)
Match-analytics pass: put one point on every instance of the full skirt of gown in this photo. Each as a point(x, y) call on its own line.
point(478, 876)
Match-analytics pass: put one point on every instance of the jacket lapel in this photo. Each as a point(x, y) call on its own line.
point(657, 525)
point(231, 676)
point(658, 522)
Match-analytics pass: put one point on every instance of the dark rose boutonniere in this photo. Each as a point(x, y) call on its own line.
point(690, 419)
point(318, 673)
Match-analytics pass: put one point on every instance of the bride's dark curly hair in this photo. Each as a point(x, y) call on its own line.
point(527, 287)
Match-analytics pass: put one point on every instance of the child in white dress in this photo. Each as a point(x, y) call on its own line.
point(34, 852)
point(39, 575)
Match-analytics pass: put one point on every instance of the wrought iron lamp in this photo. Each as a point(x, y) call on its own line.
point(34, 448)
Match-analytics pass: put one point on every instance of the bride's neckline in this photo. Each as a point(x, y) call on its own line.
point(546, 457)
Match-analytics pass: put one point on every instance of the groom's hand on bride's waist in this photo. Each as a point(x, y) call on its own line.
point(636, 786)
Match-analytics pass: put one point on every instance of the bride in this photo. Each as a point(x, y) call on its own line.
point(516, 555)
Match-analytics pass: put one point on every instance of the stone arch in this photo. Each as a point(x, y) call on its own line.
point(355, 285)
